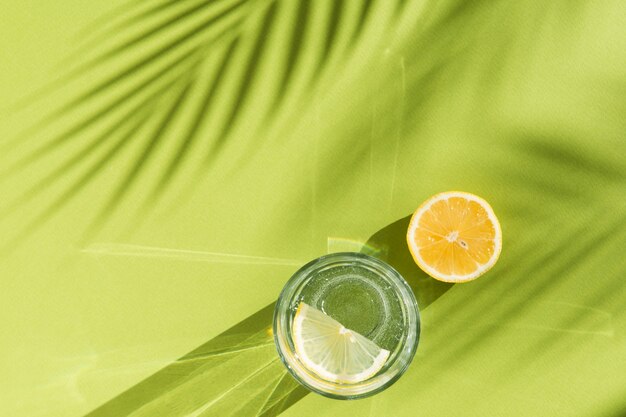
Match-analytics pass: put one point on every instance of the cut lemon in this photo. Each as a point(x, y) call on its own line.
point(455, 236)
point(333, 352)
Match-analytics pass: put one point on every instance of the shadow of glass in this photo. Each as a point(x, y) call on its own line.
point(389, 244)
point(238, 373)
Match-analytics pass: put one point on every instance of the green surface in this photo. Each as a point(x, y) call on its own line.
point(153, 223)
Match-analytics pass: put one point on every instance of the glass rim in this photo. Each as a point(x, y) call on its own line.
point(406, 348)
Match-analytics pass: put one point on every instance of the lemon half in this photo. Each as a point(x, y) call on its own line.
point(455, 236)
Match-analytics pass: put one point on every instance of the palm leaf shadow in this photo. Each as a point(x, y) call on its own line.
point(238, 373)
point(147, 55)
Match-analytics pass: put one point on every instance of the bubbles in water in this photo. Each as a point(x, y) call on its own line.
point(361, 300)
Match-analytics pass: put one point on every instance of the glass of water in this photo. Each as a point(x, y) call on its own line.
point(346, 325)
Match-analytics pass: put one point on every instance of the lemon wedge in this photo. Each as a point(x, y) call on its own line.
point(331, 351)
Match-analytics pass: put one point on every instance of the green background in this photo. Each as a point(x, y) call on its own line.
point(314, 142)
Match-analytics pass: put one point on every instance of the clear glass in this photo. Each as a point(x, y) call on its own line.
point(362, 293)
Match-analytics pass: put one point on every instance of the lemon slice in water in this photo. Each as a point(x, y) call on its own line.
point(333, 352)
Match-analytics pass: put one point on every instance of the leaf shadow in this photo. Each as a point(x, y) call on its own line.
point(161, 44)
